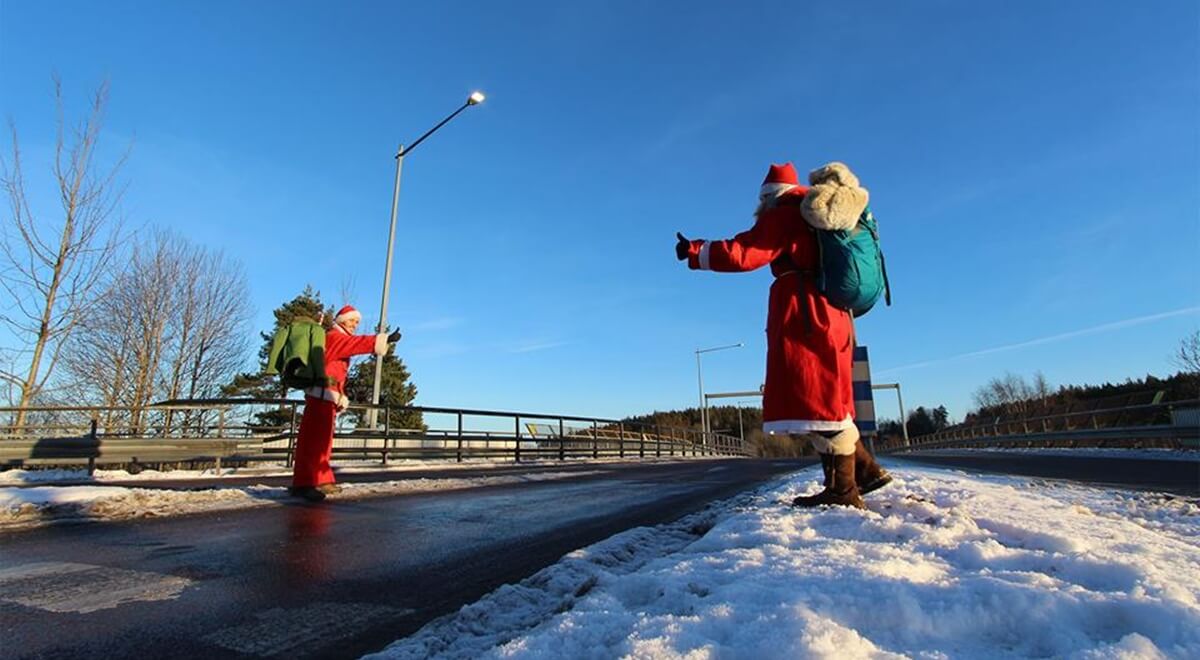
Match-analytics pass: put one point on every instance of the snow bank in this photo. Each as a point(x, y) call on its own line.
point(941, 566)
point(18, 477)
point(24, 508)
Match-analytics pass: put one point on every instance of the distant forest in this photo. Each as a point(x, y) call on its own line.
point(1010, 396)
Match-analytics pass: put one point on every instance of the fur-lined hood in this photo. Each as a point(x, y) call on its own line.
point(835, 200)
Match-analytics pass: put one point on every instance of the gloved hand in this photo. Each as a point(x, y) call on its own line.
point(682, 247)
point(394, 337)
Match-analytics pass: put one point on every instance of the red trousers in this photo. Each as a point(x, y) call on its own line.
point(314, 444)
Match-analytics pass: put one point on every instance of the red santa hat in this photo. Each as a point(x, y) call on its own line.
point(347, 313)
point(780, 179)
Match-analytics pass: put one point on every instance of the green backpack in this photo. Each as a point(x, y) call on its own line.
point(852, 274)
point(298, 355)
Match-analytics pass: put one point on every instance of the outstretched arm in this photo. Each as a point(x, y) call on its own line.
point(751, 249)
point(342, 345)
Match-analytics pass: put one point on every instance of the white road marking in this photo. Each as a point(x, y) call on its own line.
point(310, 628)
point(83, 588)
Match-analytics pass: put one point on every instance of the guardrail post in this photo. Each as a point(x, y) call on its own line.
point(595, 440)
point(92, 458)
point(518, 447)
point(291, 451)
point(459, 454)
point(657, 441)
point(621, 439)
point(642, 443)
point(562, 441)
point(387, 425)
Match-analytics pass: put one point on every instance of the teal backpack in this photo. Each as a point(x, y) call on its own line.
point(852, 274)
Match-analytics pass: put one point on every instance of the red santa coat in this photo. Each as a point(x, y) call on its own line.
point(810, 343)
point(314, 443)
point(340, 346)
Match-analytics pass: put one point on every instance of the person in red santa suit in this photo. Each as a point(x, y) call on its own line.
point(312, 478)
point(809, 389)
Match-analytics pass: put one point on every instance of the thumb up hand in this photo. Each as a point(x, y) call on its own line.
point(682, 247)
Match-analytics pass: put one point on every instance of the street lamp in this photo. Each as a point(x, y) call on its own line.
point(700, 379)
point(900, 401)
point(474, 99)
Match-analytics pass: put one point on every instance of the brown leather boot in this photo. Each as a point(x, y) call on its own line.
point(841, 490)
point(868, 474)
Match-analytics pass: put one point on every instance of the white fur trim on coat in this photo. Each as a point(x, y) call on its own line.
point(842, 444)
point(332, 396)
point(704, 256)
point(380, 344)
point(835, 200)
point(784, 426)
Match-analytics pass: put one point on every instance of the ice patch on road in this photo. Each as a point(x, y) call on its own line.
point(25, 508)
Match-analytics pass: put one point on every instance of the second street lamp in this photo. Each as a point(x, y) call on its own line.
point(700, 379)
point(474, 99)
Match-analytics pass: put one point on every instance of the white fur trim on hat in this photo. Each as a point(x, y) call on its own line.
point(835, 200)
point(348, 316)
point(774, 189)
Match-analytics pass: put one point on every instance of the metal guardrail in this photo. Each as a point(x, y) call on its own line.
point(1170, 424)
point(209, 429)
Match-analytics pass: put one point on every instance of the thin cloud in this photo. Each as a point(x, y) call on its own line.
point(541, 346)
point(1105, 327)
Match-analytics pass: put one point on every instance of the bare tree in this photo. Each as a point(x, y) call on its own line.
point(1011, 394)
point(346, 290)
point(208, 346)
point(167, 328)
point(1187, 356)
point(52, 270)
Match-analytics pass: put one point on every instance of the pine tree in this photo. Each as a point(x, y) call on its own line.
point(395, 389)
point(258, 385)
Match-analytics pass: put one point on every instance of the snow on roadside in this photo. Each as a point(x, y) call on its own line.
point(20, 477)
point(942, 566)
point(25, 508)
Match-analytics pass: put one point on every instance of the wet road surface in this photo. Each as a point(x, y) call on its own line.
point(337, 579)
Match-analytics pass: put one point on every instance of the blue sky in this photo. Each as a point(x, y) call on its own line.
point(1033, 166)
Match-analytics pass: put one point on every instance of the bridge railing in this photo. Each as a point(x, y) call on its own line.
point(226, 429)
point(1171, 425)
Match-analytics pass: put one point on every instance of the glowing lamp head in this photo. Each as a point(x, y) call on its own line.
point(475, 98)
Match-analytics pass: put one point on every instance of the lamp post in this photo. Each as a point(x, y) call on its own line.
point(700, 380)
point(900, 401)
point(474, 99)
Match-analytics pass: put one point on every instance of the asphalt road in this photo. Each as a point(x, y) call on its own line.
point(337, 579)
point(1172, 476)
